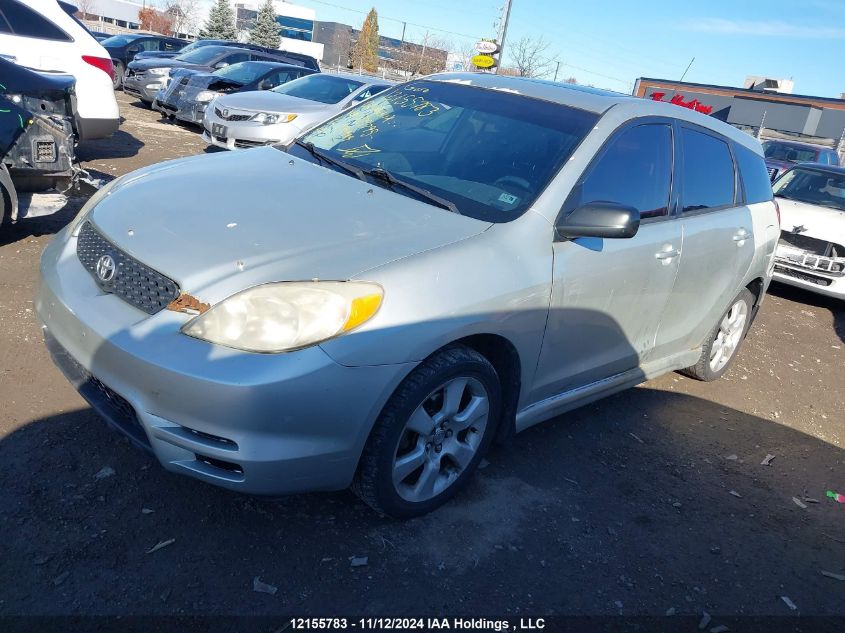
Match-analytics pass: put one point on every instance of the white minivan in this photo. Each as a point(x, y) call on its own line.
point(44, 35)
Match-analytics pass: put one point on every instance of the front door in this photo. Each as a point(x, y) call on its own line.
point(608, 295)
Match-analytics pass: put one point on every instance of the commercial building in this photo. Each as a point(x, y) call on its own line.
point(394, 54)
point(296, 26)
point(110, 16)
point(760, 109)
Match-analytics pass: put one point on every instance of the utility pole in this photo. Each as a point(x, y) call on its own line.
point(557, 69)
point(503, 31)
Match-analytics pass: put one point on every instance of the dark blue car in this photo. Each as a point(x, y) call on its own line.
point(123, 49)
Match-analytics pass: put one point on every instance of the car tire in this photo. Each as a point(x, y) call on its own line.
point(117, 79)
point(450, 390)
point(724, 340)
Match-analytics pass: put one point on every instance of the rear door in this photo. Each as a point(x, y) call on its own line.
point(608, 295)
point(718, 240)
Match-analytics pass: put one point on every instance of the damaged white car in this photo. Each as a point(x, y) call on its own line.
point(811, 251)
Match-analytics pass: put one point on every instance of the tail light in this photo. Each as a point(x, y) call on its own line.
point(103, 63)
point(777, 209)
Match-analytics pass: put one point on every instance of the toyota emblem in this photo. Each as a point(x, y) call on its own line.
point(106, 268)
point(226, 113)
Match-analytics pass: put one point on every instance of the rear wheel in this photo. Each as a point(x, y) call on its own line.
point(117, 79)
point(724, 339)
point(431, 434)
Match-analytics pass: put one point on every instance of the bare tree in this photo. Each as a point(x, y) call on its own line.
point(85, 8)
point(423, 58)
point(529, 57)
point(184, 15)
point(464, 51)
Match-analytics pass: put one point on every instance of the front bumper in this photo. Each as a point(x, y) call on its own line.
point(145, 87)
point(187, 112)
point(256, 423)
point(244, 134)
point(811, 272)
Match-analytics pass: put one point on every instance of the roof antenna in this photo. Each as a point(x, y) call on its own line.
point(687, 70)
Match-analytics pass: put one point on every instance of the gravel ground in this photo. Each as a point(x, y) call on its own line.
point(649, 501)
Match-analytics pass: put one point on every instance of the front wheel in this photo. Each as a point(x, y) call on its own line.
point(724, 339)
point(431, 434)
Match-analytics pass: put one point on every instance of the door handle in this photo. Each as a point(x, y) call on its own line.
point(667, 255)
point(741, 236)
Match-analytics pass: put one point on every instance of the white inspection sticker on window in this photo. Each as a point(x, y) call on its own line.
point(508, 198)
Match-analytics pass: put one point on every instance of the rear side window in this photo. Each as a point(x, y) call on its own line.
point(707, 175)
point(28, 23)
point(634, 170)
point(755, 177)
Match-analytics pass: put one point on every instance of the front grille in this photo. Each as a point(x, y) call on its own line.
point(231, 117)
point(243, 144)
point(132, 281)
point(113, 407)
point(789, 272)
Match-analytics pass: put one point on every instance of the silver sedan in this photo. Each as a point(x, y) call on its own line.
point(450, 262)
point(251, 119)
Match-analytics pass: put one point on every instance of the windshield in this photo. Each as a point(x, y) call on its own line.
point(813, 186)
point(243, 73)
point(490, 153)
point(203, 55)
point(119, 40)
point(321, 88)
point(789, 153)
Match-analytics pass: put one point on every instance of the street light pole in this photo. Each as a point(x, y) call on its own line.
point(503, 31)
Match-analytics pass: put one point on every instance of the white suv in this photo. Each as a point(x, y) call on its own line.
point(44, 35)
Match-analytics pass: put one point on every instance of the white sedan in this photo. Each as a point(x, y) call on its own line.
point(811, 251)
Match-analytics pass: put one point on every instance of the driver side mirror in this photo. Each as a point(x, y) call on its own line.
point(600, 219)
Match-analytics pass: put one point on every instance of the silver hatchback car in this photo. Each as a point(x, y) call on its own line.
point(453, 261)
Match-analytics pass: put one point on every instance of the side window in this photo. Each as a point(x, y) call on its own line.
point(707, 175)
point(169, 46)
point(149, 45)
point(276, 79)
point(634, 170)
point(235, 58)
point(28, 23)
point(755, 177)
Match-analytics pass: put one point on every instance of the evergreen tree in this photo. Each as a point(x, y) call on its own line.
point(265, 31)
point(365, 53)
point(221, 22)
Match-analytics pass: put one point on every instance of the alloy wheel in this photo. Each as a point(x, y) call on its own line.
point(440, 439)
point(729, 335)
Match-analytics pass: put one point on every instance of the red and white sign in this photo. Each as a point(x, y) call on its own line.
point(678, 99)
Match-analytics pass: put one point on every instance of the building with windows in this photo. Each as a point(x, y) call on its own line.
point(759, 110)
point(110, 16)
point(296, 26)
point(338, 40)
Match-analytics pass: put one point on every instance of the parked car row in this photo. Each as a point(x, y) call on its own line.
point(455, 259)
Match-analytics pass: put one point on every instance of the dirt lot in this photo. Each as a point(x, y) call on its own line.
point(650, 501)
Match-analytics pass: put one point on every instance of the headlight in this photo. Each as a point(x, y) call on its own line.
point(207, 95)
point(285, 316)
point(159, 72)
point(269, 119)
point(88, 207)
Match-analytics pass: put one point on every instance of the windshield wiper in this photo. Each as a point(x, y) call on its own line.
point(382, 174)
point(325, 158)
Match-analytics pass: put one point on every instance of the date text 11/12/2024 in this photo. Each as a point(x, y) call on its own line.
point(419, 624)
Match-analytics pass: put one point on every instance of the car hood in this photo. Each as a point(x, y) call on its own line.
point(823, 223)
point(269, 101)
point(218, 224)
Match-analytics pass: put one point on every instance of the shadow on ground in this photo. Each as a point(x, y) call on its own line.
point(121, 144)
point(799, 295)
point(645, 502)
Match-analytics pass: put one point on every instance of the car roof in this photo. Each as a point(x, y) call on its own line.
point(795, 143)
point(596, 100)
point(831, 169)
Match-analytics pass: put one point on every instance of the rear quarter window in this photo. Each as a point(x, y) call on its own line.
point(26, 22)
point(755, 177)
point(707, 176)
